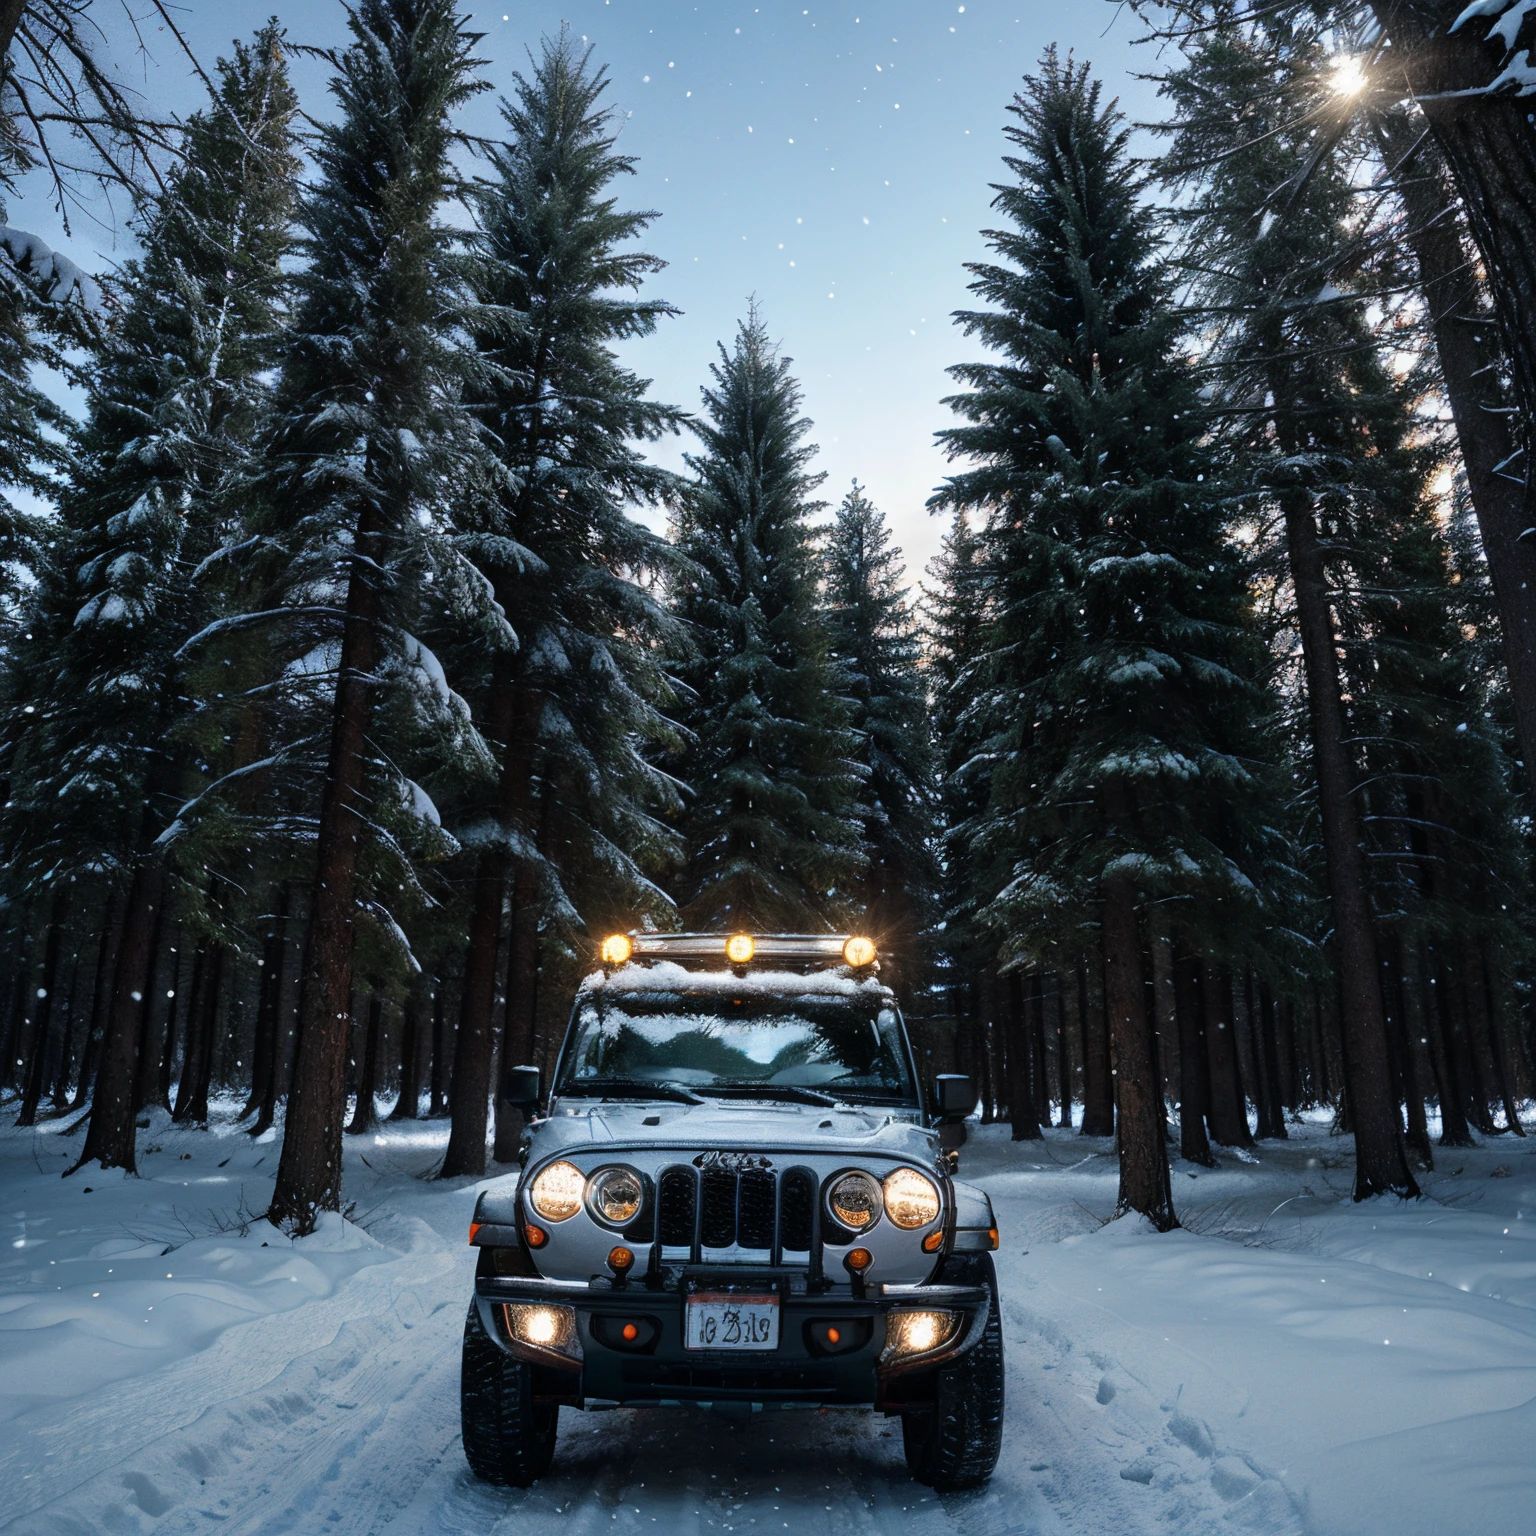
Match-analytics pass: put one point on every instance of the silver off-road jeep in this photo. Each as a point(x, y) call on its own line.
point(735, 1195)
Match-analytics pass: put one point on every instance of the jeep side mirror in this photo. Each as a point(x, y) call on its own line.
point(954, 1096)
point(520, 1088)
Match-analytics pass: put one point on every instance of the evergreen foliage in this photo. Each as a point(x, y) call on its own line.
point(1115, 705)
point(875, 649)
point(771, 828)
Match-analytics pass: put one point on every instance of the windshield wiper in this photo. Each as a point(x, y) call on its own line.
point(785, 1091)
point(627, 1088)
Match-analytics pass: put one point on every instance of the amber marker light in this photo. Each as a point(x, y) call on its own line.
point(833, 1336)
point(859, 1259)
point(536, 1236)
point(859, 951)
point(740, 948)
point(934, 1241)
point(630, 1333)
point(474, 1227)
point(617, 948)
point(621, 1260)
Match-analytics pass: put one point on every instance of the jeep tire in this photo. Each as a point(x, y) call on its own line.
point(956, 1443)
point(508, 1439)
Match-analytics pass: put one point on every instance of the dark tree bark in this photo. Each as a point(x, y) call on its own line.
point(1098, 1076)
point(45, 1007)
point(66, 1056)
point(408, 1105)
point(365, 1115)
point(110, 1137)
point(1194, 1094)
point(16, 1018)
point(1023, 1104)
point(192, 1033)
point(1039, 1079)
point(106, 959)
point(202, 1038)
point(512, 718)
point(1063, 1059)
point(1496, 1039)
point(1264, 1129)
point(1454, 1130)
point(1285, 1015)
point(1227, 1107)
point(157, 1046)
point(1144, 1181)
point(1403, 1022)
point(522, 1002)
point(437, 1103)
point(1269, 1049)
point(1471, 365)
point(1381, 1164)
point(1470, 1069)
point(264, 1047)
point(309, 1171)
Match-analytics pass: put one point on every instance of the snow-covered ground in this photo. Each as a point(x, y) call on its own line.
point(1288, 1363)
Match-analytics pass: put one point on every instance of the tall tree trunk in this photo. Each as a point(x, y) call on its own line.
point(1023, 1105)
point(513, 717)
point(110, 1137)
point(408, 1105)
point(193, 1034)
point(437, 1101)
point(157, 1045)
point(1098, 1075)
point(1501, 1074)
point(1404, 1032)
point(66, 1056)
point(16, 1019)
point(1194, 1089)
point(1454, 1130)
point(1227, 1108)
point(1472, 365)
point(264, 1047)
point(309, 1171)
point(1381, 1165)
point(106, 956)
point(1269, 1046)
point(1063, 1056)
point(365, 1116)
point(45, 1006)
point(1039, 1080)
point(1470, 1068)
point(202, 1035)
point(1262, 1100)
point(522, 1001)
point(1144, 1182)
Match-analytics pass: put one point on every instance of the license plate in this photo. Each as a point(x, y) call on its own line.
point(727, 1320)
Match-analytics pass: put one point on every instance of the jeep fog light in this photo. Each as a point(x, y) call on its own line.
point(556, 1193)
point(917, 1333)
point(544, 1327)
point(911, 1200)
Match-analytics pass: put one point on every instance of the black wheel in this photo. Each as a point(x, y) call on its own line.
point(955, 1444)
point(507, 1439)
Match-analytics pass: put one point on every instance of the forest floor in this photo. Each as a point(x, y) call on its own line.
point(1289, 1362)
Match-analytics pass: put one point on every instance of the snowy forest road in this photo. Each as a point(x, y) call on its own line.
point(1233, 1377)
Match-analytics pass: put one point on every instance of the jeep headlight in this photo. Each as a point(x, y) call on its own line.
point(615, 1195)
point(911, 1200)
point(854, 1199)
point(556, 1193)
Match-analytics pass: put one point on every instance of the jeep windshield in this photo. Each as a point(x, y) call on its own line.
point(807, 1048)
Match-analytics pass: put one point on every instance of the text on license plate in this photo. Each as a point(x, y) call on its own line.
point(726, 1320)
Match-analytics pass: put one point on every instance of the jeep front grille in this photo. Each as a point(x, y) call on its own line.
point(720, 1208)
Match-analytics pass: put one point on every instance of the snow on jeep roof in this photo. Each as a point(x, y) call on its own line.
point(668, 976)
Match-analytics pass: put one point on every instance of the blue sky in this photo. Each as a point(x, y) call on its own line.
point(833, 159)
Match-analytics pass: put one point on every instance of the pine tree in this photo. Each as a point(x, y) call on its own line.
point(875, 650)
point(364, 443)
point(771, 828)
point(1328, 436)
point(1115, 702)
point(100, 686)
point(571, 702)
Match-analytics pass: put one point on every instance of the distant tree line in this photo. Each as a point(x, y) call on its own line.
point(345, 700)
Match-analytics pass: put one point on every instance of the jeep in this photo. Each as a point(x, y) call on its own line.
point(736, 1194)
